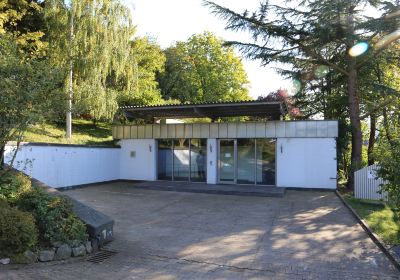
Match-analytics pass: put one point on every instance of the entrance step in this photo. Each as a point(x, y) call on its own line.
point(247, 190)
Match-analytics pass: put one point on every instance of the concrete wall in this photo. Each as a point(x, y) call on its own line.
point(212, 161)
point(306, 163)
point(142, 165)
point(66, 165)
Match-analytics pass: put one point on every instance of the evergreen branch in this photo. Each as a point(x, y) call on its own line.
point(238, 21)
point(375, 109)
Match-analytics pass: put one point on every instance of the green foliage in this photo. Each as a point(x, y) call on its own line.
point(13, 184)
point(91, 39)
point(54, 217)
point(380, 217)
point(18, 231)
point(202, 69)
point(29, 91)
point(147, 59)
point(388, 156)
point(23, 21)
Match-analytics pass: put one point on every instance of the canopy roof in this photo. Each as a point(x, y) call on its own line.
point(266, 109)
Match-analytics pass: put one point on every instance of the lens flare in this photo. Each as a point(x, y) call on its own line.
point(358, 49)
point(295, 87)
point(321, 71)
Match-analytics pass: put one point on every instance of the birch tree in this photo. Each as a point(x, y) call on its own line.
point(90, 40)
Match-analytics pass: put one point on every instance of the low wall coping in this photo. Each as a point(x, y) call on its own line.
point(44, 144)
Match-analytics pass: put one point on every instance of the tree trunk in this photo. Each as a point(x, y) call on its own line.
point(354, 113)
point(71, 65)
point(2, 148)
point(386, 127)
point(371, 141)
point(354, 103)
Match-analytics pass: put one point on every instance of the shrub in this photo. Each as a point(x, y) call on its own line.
point(13, 184)
point(3, 203)
point(18, 231)
point(388, 156)
point(54, 216)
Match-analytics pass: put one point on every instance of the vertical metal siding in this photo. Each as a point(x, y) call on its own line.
point(271, 129)
point(366, 187)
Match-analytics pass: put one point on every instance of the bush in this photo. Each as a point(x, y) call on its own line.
point(3, 203)
point(54, 217)
point(13, 184)
point(388, 156)
point(18, 231)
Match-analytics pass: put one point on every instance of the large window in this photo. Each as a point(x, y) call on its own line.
point(182, 160)
point(247, 161)
point(265, 171)
point(198, 160)
point(164, 159)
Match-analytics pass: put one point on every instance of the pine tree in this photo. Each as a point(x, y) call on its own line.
point(314, 33)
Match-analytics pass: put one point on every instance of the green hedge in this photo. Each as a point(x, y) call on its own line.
point(55, 220)
point(13, 184)
point(18, 231)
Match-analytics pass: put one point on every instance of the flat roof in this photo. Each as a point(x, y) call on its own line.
point(251, 108)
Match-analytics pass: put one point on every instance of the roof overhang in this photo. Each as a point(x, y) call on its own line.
point(265, 109)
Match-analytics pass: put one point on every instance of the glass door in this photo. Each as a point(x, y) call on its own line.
point(246, 162)
point(227, 161)
point(181, 160)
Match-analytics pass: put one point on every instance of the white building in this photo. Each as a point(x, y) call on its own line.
point(297, 154)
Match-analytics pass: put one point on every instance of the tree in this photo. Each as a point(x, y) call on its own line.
point(29, 92)
point(147, 59)
point(23, 20)
point(90, 40)
point(283, 96)
point(317, 33)
point(203, 69)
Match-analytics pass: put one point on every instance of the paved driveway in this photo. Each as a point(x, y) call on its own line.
point(170, 235)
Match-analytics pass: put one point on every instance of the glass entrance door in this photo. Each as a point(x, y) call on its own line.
point(247, 161)
point(227, 161)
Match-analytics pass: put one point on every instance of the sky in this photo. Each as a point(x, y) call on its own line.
point(176, 20)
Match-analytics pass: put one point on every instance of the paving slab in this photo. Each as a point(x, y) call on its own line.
point(180, 235)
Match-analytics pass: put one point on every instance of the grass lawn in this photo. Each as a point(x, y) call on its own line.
point(83, 132)
point(379, 217)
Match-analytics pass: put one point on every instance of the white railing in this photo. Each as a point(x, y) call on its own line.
point(367, 184)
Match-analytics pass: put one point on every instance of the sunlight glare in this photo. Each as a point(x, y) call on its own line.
point(358, 49)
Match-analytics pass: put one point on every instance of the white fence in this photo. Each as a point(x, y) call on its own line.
point(367, 184)
point(60, 165)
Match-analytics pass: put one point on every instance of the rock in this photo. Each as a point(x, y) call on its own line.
point(5, 261)
point(75, 243)
point(89, 248)
point(30, 257)
point(57, 244)
point(63, 252)
point(79, 251)
point(46, 255)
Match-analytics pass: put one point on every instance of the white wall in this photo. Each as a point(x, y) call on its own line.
point(212, 161)
point(306, 162)
point(142, 166)
point(66, 165)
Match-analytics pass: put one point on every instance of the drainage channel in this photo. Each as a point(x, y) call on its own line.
point(101, 256)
